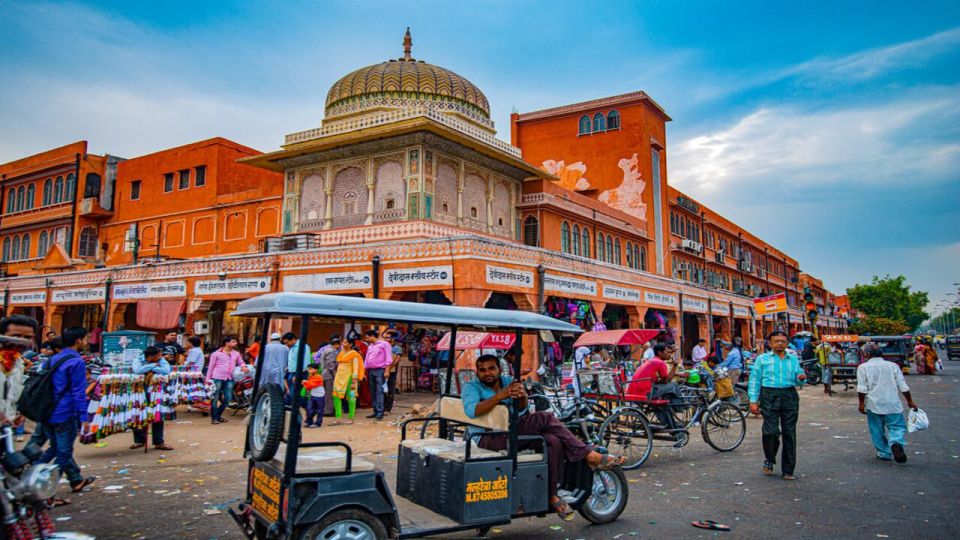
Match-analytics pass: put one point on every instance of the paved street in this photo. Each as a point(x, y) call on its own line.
point(843, 491)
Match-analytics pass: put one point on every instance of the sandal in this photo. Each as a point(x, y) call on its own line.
point(563, 510)
point(711, 525)
point(788, 477)
point(608, 462)
point(135, 446)
point(163, 446)
point(58, 501)
point(78, 487)
point(767, 468)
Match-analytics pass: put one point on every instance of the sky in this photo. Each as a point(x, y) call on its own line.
point(829, 129)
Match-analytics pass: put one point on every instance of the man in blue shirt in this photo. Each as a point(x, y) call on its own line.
point(153, 363)
point(492, 389)
point(732, 361)
point(69, 387)
point(774, 379)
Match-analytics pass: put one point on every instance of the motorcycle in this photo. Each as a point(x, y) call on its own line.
point(813, 371)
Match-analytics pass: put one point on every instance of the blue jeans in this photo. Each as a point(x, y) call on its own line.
point(61, 438)
point(885, 430)
point(376, 379)
point(222, 395)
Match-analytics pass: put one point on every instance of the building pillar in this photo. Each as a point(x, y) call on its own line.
point(371, 192)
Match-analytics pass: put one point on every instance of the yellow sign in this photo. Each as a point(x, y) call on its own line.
point(769, 305)
point(486, 490)
point(840, 338)
point(265, 494)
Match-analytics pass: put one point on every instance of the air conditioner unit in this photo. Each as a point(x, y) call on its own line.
point(684, 266)
point(719, 257)
point(761, 272)
point(745, 266)
point(201, 327)
point(691, 245)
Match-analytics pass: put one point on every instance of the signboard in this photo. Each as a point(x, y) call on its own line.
point(265, 492)
point(660, 299)
point(418, 277)
point(563, 284)
point(499, 275)
point(85, 294)
point(159, 289)
point(694, 304)
point(720, 307)
point(840, 338)
point(251, 285)
point(32, 297)
point(613, 292)
point(335, 281)
point(740, 311)
point(478, 340)
point(769, 305)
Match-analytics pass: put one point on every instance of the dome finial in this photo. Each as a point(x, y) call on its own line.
point(407, 45)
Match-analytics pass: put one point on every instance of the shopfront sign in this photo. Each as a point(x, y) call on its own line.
point(740, 311)
point(770, 304)
point(250, 285)
point(720, 307)
point(570, 285)
point(622, 294)
point(31, 297)
point(697, 305)
point(655, 298)
point(418, 277)
point(158, 289)
point(86, 294)
point(335, 281)
point(499, 275)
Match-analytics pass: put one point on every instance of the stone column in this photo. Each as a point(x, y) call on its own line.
point(371, 189)
point(490, 205)
point(328, 198)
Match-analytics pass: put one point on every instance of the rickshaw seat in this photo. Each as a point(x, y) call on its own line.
point(322, 460)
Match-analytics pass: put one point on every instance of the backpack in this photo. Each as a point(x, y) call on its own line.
point(37, 401)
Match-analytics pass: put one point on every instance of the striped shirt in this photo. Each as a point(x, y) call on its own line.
point(769, 371)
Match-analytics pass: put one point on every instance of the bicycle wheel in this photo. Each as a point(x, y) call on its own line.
point(743, 398)
point(626, 433)
point(723, 427)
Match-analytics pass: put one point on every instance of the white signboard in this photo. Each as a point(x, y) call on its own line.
point(32, 297)
point(499, 275)
point(336, 281)
point(78, 295)
point(613, 292)
point(563, 284)
point(694, 304)
point(250, 285)
point(721, 308)
point(418, 277)
point(659, 299)
point(158, 289)
point(740, 311)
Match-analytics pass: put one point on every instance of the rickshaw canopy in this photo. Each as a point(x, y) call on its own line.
point(468, 340)
point(616, 337)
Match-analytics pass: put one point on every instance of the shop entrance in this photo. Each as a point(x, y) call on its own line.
point(691, 334)
point(30, 311)
point(500, 300)
point(86, 316)
point(615, 317)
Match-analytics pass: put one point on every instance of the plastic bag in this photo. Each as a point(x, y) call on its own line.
point(917, 420)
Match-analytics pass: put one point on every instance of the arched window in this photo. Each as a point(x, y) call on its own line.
point(15, 249)
point(576, 240)
point(58, 190)
point(531, 231)
point(629, 255)
point(613, 120)
point(565, 237)
point(88, 242)
point(20, 194)
point(586, 242)
point(616, 252)
point(643, 257)
point(600, 247)
point(25, 247)
point(599, 124)
point(609, 258)
point(71, 187)
point(6, 249)
point(47, 192)
point(31, 194)
point(585, 125)
point(11, 201)
point(42, 244)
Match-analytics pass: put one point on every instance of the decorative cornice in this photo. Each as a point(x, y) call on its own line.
point(611, 101)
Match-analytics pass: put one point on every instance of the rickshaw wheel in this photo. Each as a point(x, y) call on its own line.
point(627, 433)
point(608, 498)
point(724, 427)
point(347, 524)
point(482, 532)
point(266, 423)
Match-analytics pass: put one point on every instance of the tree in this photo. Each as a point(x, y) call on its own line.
point(890, 298)
point(878, 326)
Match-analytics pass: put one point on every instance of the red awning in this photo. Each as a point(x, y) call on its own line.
point(159, 314)
point(616, 337)
point(478, 340)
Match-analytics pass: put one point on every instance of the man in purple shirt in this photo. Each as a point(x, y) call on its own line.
point(69, 387)
point(376, 362)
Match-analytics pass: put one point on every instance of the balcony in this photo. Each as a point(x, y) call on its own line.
point(37, 215)
point(91, 208)
point(293, 242)
point(390, 214)
point(351, 220)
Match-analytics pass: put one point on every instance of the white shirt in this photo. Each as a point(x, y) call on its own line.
point(699, 353)
point(882, 382)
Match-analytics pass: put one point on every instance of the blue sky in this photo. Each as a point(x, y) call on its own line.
point(831, 129)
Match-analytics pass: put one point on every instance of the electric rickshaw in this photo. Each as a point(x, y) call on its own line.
point(321, 490)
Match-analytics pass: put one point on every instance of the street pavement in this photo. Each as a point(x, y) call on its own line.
point(842, 490)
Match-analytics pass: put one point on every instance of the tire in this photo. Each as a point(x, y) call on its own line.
point(349, 523)
point(723, 427)
point(266, 423)
point(743, 398)
point(627, 433)
point(814, 376)
point(609, 497)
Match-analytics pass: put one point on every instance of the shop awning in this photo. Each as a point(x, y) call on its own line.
point(159, 314)
point(478, 340)
point(616, 337)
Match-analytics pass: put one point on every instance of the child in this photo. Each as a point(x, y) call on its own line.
point(315, 401)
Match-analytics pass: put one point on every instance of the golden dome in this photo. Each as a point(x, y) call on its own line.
point(405, 81)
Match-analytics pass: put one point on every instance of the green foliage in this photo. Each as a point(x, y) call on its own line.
point(947, 321)
point(878, 326)
point(890, 298)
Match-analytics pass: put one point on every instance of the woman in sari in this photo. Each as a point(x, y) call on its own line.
point(349, 373)
point(930, 359)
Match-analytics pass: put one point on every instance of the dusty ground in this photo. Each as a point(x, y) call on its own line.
point(842, 491)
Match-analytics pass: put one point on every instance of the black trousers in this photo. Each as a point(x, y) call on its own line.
point(780, 408)
point(391, 391)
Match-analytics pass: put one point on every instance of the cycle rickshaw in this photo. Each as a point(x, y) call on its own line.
point(320, 490)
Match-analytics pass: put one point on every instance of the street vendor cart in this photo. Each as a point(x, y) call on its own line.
point(321, 490)
point(843, 362)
